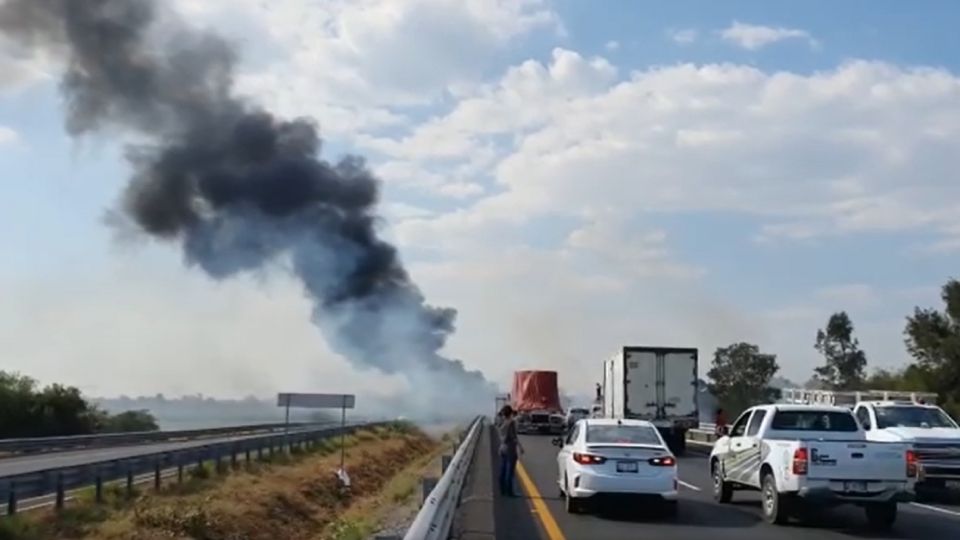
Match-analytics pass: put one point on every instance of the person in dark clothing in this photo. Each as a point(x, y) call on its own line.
point(510, 450)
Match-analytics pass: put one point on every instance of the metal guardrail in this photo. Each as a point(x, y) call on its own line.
point(59, 480)
point(435, 518)
point(46, 444)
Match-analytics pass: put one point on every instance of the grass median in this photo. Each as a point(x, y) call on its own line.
point(291, 497)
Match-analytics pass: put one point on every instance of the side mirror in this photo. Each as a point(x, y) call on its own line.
point(724, 431)
point(558, 442)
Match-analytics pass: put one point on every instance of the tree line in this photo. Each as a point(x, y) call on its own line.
point(27, 410)
point(741, 374)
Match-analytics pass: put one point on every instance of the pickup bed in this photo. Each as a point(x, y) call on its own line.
point(803, 456)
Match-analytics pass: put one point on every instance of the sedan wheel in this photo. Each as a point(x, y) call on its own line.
point(572, 504)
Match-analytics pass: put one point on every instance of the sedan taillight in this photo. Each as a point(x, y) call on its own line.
point(663, 461)
point(588, 459)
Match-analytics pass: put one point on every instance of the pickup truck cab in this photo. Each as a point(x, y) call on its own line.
point(934, 435)
point(803, 456)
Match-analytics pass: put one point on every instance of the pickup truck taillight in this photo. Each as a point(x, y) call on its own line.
point(911, 464)
point(800, 461)
point(588, 459)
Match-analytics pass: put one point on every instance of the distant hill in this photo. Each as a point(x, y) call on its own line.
point(197, 412)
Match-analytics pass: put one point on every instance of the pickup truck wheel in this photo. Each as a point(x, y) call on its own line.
point(722, 491)
point(881, 516)
point(774, 504)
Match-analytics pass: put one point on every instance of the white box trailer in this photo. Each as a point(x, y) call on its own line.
point(658, 384)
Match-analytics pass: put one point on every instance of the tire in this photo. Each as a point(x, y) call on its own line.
point(722, 490)
point(680, 443)
point(881, 516)
point(571, 504)
point(775, 506)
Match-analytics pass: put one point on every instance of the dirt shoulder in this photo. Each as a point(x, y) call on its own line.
point(296, 497)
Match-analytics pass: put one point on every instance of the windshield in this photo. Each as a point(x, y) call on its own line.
point(623, 435)
point(915, 417)
point(814, 421)
point(578, 411)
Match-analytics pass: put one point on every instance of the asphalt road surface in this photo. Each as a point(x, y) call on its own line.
point(540, 513)
point(38, 462)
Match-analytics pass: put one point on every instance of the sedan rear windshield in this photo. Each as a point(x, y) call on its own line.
point(579, 411)
point(814, 421)
point(598, 434)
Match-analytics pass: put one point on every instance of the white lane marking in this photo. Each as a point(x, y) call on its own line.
point(701, 443)
point(688, 486)
point(936, 509)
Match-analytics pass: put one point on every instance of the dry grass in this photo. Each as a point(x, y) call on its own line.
point(364, 516)
point(291, 498)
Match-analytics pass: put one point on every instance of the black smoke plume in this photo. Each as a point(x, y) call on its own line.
point(239, 189)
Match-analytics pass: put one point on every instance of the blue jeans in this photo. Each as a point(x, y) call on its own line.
point(508, 468)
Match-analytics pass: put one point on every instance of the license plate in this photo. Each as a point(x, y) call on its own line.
point(627, 466)
point(858, 487)
point(953, 484)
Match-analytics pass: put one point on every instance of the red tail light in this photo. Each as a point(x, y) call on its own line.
point(800, 461)
point(911, 464)
point(588, 459)
point(665, 461)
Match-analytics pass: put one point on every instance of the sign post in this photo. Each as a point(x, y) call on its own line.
point(323, 401)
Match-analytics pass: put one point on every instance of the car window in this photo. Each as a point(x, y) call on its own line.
point(814, 421)
point(755, 422)
point(572, 436)
point(622, 434)
point(740, 426)
point(912, 416)
point(863, 415)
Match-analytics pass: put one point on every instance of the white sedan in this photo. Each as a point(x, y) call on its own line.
point(615, 457)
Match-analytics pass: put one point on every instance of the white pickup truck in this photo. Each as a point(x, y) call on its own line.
point(934, 435)
point(905, 417)
point(803, 456)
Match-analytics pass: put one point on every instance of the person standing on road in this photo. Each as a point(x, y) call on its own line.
point(720, 421)
point(510, 450)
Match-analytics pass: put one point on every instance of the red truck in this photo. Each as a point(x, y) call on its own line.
point(536, 398)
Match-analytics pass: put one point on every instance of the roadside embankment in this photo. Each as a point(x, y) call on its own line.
point(296, 497)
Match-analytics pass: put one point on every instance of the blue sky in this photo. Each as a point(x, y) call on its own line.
point(685, 172)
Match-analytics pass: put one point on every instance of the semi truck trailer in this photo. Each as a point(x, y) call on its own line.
point(658, 384)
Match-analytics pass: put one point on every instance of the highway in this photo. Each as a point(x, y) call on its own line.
point(540, 513)
point(38, 462)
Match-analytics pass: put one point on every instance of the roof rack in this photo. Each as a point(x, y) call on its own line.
point(850, 398)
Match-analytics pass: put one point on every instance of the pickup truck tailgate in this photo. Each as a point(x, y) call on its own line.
point(838, 460)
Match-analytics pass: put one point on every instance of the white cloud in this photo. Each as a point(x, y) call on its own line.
point(8, 136)
point(753, 37)
point(684, 36)
point(612, 45)
point(350, 62)
point(21, 67)
point(867, 146)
